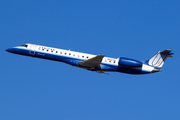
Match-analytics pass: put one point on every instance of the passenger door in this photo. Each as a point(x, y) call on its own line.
point(32, 50)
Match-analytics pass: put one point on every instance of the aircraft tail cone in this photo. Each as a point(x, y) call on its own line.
point(155, 70)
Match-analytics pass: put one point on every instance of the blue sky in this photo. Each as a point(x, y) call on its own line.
point(33, 89)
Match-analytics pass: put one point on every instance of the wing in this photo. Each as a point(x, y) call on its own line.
point(93, 63)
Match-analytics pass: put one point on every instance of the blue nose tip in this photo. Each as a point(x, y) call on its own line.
point(8, 50)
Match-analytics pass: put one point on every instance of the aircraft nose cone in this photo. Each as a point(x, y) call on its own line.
point(155, 70)
point(8, 50)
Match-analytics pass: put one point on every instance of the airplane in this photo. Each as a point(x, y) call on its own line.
point(98, 63)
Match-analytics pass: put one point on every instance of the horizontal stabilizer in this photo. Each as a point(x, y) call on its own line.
point(167, 52)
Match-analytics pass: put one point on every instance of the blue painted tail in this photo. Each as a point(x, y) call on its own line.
point(159, 58)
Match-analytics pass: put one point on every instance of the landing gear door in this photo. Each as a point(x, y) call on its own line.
point(32, 50)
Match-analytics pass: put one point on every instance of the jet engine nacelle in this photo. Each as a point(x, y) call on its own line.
point(129, 62)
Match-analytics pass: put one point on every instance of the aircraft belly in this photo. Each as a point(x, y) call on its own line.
point(108, 67)
point(130, 70)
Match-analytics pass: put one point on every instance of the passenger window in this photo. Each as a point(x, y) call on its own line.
point(69, 53)
point(82, 56)
point(56, 51)
point(65, 53)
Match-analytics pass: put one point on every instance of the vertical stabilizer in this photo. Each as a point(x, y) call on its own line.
point(159, 58)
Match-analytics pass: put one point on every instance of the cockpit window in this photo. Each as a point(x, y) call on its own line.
point(24, 45)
